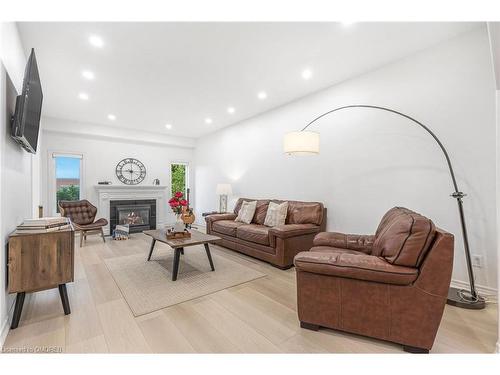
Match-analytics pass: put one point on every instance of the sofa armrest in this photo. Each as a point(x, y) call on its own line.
point(293, 230)
point(356, 242)
point(353, 266)
point(216, 217)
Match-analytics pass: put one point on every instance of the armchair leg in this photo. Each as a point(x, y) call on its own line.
point(415, 350)
point(102, 234)
point(81, 238)
point(312, 327)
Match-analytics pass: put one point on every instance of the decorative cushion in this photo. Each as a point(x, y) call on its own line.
point(276, 214)
point(247, 210)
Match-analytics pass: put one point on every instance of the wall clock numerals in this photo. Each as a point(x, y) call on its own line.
point(130, 171)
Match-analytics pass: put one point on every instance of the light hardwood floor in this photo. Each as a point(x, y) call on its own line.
point(255, 317)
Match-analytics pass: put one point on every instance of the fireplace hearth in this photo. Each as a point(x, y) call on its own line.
point(140, 215)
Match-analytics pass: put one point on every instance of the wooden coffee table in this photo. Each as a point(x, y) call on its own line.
point(178, 245)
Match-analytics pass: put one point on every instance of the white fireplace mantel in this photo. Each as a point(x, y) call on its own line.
point(107, 193)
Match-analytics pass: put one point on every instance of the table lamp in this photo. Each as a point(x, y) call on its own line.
point(223, 190)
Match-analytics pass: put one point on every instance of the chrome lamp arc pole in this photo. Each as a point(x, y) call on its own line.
point(456, 297)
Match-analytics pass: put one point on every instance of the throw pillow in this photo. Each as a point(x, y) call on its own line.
point(276, 214)
point(246, 212)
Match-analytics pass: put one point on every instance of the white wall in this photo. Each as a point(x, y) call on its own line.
point(371, 161)
point(17, 166)
point(498, 208)
point(494, 36)
point(102, 153)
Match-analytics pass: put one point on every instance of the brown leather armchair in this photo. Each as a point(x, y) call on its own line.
point(82, 214)
point(392, 285)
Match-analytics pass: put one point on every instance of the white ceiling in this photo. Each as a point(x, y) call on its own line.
point(150, 74)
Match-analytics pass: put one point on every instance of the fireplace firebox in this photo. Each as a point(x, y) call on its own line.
point(140, 215)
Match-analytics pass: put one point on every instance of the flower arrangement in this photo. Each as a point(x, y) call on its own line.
point(177, 202)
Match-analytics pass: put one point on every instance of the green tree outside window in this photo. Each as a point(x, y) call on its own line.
point(178, 176)
point(68, 193)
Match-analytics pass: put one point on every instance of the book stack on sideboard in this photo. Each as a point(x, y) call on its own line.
point(43, 225)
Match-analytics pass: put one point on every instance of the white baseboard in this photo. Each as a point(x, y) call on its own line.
point(491, 293)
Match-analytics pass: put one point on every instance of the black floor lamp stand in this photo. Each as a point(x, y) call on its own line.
point(456, 297)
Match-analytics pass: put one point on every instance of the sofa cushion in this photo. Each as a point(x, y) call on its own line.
point(354, 266)
point(260, 212)
point(227, 227)
point(403, 237)
point(253, 233)
point(334, 250)
point(304, 213)
point(298, 212)
point(98, 224)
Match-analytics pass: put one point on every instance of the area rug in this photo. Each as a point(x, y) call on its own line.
point(148, 286)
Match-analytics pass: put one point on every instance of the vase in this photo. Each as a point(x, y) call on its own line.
point(179, 224)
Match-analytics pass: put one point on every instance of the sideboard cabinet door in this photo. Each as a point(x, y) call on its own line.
point(40, 261)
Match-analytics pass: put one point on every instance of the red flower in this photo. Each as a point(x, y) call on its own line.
point(178, 194)
point(171, 200)
point(174, 204)
point(183, 202)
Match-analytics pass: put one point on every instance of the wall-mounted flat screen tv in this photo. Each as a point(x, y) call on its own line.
point(26, 119)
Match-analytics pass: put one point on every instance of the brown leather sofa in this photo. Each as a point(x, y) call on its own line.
point(277, 245)
point(392, 285)
point(82, 214)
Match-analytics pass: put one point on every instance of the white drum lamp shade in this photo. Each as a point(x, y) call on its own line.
point(301, 143)
point(224, 189)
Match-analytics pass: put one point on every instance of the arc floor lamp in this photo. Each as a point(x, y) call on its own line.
point(307, 142)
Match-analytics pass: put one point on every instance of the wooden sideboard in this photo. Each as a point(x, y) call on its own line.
point(39, 261)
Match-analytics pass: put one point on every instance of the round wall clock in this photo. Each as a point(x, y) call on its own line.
point(130, 171)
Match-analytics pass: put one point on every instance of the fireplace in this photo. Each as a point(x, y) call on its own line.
point(138, 214)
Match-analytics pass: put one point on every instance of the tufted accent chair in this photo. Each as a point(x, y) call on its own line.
point(82, 214)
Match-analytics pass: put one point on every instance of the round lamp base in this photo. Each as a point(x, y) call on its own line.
point(462, 298)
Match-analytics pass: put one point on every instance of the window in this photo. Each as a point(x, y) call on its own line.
point(179, 177)
point(67, 171)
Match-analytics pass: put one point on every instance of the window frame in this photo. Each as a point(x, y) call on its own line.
point(187, 173)
point(52, 155)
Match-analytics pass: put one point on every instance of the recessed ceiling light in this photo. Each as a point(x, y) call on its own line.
point(208, 120)
point(111, 117)
point(96, 41)
point(230, 110)
point(87, 74)
point(307, 74)
point(168, 126)
point(262, 95)
point(83, 96)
